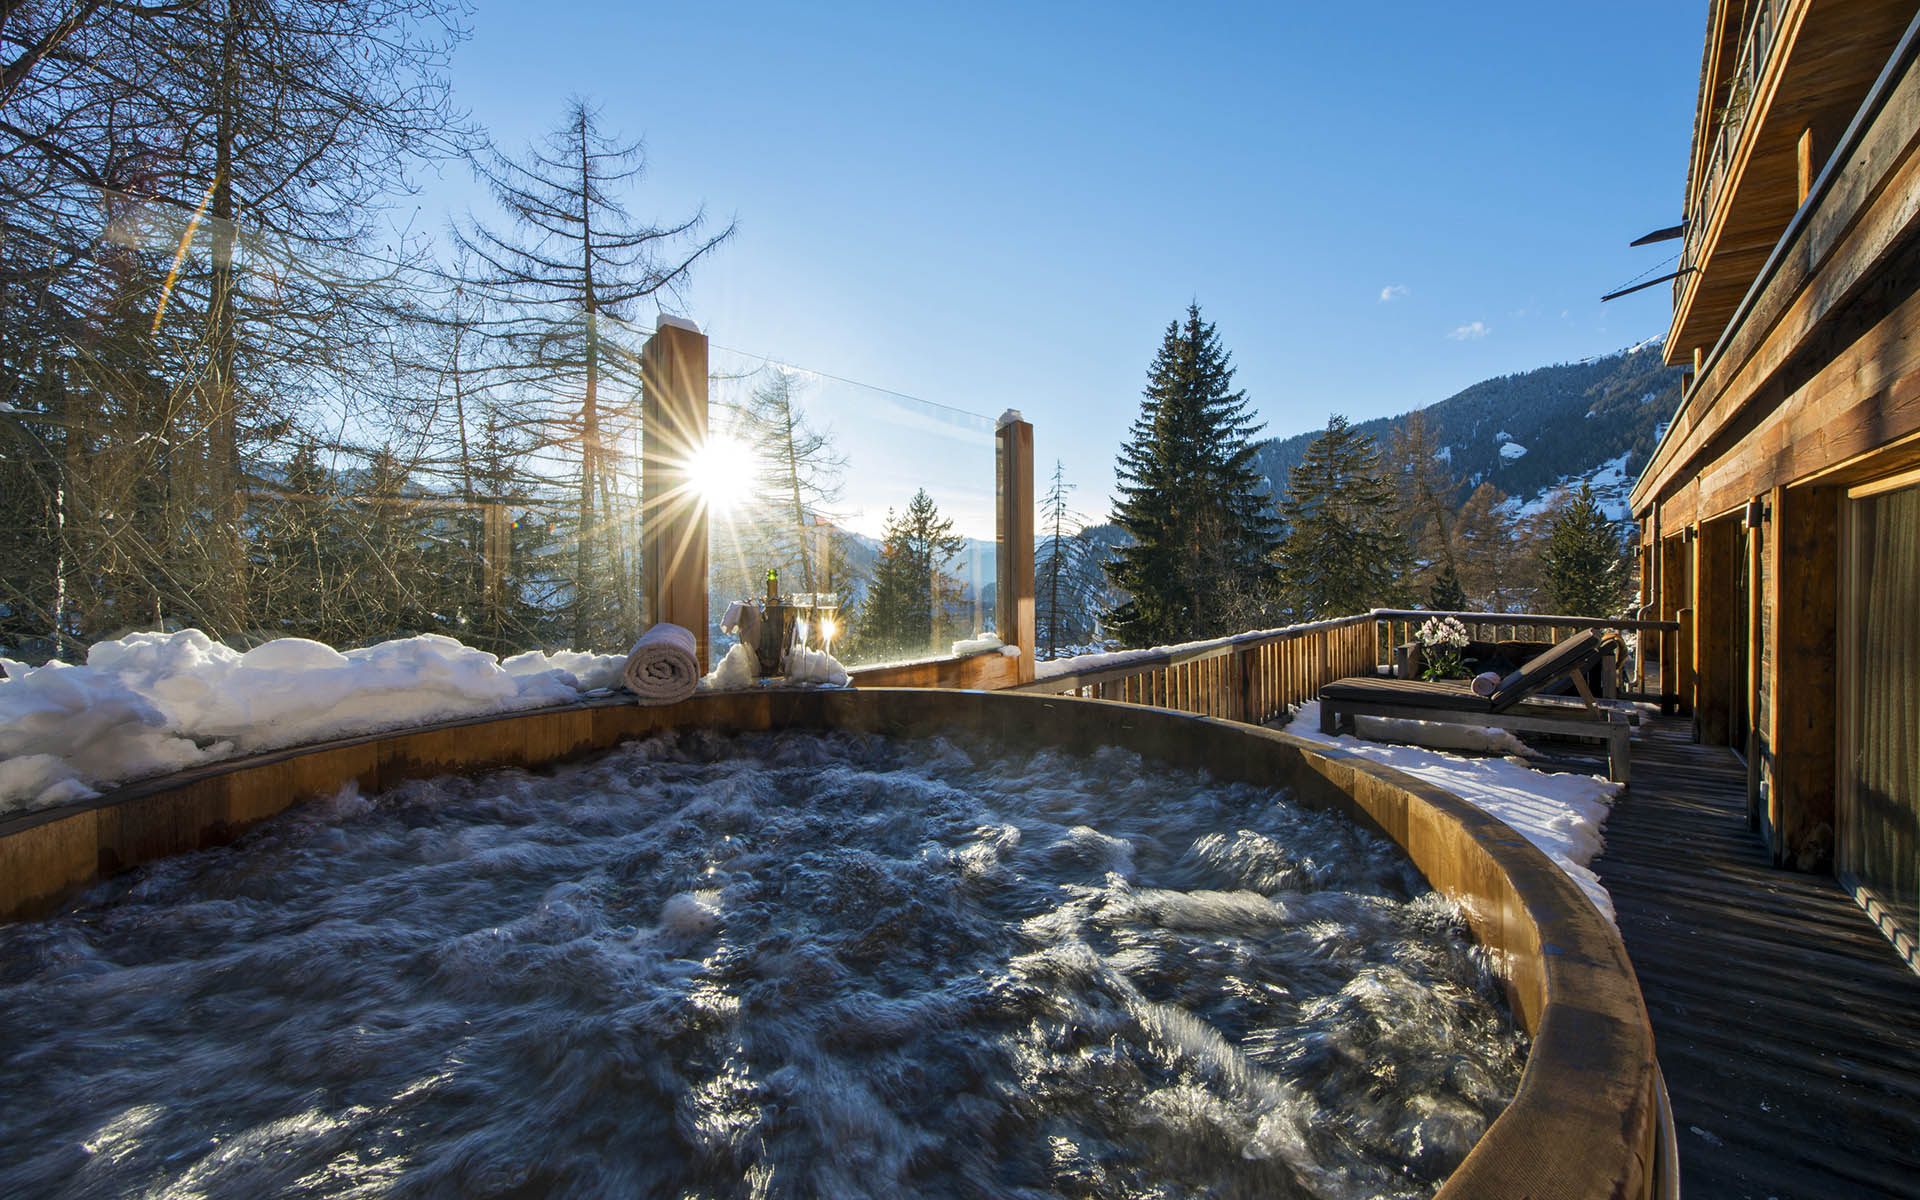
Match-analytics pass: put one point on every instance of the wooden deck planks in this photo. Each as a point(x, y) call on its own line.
point(1788, 1030)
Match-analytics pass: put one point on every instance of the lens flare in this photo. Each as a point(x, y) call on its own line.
point(722, 473)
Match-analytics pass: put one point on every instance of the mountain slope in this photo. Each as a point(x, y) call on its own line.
point(1533, 432)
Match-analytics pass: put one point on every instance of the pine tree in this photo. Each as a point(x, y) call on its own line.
point(1203, 532)
point(1343, 552)
point(901, 600)
point(1581, 563)
point(1445, 593)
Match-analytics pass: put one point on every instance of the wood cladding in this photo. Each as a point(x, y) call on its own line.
point(1824, 61)
point(1848, 266)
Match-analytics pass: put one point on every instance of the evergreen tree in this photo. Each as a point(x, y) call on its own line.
point(1343, 552)
point(1198, 511)
point(1581, 564)
point(1445, 593)
point(901, 600)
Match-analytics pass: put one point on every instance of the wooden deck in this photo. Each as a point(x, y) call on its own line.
point(1788, 1030)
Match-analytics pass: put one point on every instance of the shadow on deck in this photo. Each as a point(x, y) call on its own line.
point(1787, 1028)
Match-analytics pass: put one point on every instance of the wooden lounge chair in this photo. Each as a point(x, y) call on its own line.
point(1516, 705)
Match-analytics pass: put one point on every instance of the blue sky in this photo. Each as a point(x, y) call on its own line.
point(992, 206)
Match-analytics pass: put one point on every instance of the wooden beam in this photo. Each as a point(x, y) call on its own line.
point(673, 521)
point(1804, 676)
point(1803, 164)
point(1756, 658)
point(1013, 563)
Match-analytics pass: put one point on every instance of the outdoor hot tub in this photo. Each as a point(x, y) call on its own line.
point(862, 942)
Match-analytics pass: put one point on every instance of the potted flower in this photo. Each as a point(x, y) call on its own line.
point(1441, 640)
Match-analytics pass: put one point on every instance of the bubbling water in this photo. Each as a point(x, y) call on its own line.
point(763, 966)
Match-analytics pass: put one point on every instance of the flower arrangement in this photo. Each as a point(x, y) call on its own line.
point(1441, 641)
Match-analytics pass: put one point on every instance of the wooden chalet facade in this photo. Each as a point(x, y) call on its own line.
point(1780, 512)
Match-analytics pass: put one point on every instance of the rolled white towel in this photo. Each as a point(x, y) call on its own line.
point(1486, 683)
point(662, 667)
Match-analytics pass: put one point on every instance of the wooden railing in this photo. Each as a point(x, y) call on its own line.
point(1257, 677)
point(1252, 677)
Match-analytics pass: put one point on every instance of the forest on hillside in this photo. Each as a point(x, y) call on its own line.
point(1570, 418)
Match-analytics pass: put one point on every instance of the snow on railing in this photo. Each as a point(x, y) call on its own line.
point(1264, 674)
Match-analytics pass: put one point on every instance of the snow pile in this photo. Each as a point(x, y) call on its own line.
point(1512, 450)
point(735, 672)
point(1560, 813)
point(589, 672)
point(815, 666)
point(977, 645)
point(155, 702)
point(64, 728)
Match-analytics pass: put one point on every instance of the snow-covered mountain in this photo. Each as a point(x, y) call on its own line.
point(1533, 433)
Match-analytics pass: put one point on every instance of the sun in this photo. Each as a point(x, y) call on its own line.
point(721, 472)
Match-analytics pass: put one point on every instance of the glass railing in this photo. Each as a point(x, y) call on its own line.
point(872, 511)
point(205, 428)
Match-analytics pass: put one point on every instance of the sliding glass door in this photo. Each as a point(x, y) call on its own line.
point(1880, 784)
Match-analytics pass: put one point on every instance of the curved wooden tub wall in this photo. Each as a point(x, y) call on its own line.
point(1583, 1123)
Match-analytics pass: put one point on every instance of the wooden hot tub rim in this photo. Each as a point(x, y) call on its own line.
point(1583, 1122)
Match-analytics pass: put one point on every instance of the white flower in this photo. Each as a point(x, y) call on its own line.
point(1442, 631)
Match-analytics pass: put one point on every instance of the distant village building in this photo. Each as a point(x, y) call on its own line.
point(1781, 509)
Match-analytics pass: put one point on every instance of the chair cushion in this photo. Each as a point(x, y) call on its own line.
point(1575, 654)
point(1413, 693)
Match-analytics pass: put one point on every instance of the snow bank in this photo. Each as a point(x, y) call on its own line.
point(590, 672)
point(1560, 813)
point(1512, 450)
point(156, 702)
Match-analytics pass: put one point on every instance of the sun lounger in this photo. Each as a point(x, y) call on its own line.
point(1516, 705)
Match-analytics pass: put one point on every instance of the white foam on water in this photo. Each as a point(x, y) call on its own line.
point(782, 965)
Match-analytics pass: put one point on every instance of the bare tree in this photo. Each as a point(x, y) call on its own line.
point(573, 263)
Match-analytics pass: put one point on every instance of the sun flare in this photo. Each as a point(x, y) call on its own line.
point(721, 472)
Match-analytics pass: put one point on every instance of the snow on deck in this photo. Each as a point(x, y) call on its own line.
point(1561, 813)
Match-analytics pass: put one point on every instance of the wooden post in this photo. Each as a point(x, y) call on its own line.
point(1802, 732)
point(1673, 577)
point(1803, 164)
point(1756, 659)
point(1716, 557)
point(1013, 563)
point(673, 522)
point(1683, 682)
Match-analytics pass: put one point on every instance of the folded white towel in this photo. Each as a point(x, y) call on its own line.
point(743, 617)
point(662, 667)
